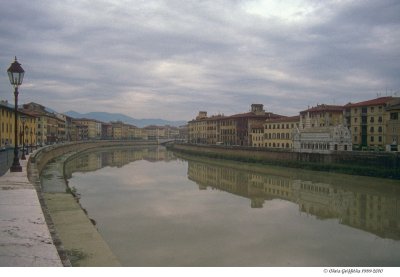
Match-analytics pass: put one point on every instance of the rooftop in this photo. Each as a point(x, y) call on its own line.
point(372, 102)
point(324, 108)
point(285, 119)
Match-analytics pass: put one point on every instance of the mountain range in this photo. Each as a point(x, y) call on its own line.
point(107, 117)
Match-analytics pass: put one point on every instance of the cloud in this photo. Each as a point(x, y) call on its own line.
point(169, 59)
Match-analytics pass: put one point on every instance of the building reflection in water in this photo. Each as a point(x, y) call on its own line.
point(374, 210)
point(96, 159)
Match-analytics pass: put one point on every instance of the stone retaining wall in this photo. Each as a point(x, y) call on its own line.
point(72, 232)
point(382, 164)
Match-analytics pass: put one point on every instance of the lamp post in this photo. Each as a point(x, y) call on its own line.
point(23, 157)
point(16, 75)
point(31, 142)
point(26, 140)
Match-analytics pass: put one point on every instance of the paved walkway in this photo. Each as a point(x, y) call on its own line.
point(24, 236)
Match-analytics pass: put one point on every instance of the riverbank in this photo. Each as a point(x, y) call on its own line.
point(78, 240)
point(25, 238)
point(373, 164)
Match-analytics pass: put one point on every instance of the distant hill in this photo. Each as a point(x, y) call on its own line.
point(107, 117)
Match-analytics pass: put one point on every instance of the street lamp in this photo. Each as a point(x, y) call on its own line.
point(22, 137)
point(16, 75)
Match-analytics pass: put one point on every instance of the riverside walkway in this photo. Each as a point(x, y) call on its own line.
point(25, 240)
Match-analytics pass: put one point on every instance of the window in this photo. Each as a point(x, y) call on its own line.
point(394, 116)
point(372, 139)
point(355, 120)
point(380, 129)
point(372, 109)
point(372, 120)
point(371, 129)
point(355, 129)
point(380, 138)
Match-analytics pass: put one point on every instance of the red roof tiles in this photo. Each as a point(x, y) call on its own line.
point(323, 107)
point(372, 102)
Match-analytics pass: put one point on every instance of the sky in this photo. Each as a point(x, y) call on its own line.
point(171, 59)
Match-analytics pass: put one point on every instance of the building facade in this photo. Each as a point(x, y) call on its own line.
point(322, 139)
point(6, 124)
point(278, 133)
point(322, 129)
point(368, 121)
point(228, 130)
point(27, 126)
point(393, 127)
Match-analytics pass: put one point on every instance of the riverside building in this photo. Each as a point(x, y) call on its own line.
point(322, 130)
point(228, 130)
point(26, 126)
point(369, 123)
point(278, 133)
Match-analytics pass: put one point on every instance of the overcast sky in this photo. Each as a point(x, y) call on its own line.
point(169, 59)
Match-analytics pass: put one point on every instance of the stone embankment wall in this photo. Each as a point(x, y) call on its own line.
point(77, 240)
point(379, 164)
point(40, 158)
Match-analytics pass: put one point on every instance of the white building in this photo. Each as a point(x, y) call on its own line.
point(322, 140)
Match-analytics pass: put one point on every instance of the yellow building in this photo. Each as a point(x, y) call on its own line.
point(278, 133)
point(6, 124)
point(368, 122)
point(228, 130)
point(93, 127)
point(198, 129)
point(322, 116)
point(27, 126)
point(393, 127)
point(257, 135)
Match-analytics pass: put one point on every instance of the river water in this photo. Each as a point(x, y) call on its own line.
point(155, 208)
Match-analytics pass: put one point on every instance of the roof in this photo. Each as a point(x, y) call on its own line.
point(284, 119)
point(324, 108)
point(6, 105)
point(257, 126)
point(393, 107)
point(254, 115)
point(86, 119)
point(372, 102)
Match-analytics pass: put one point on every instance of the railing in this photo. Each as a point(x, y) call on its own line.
point(6, 159)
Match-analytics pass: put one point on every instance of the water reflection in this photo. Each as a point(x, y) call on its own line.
point(157, 209)
point(374, 210)
point(97, 159)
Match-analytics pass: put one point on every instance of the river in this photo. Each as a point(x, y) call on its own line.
point(155, 208)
